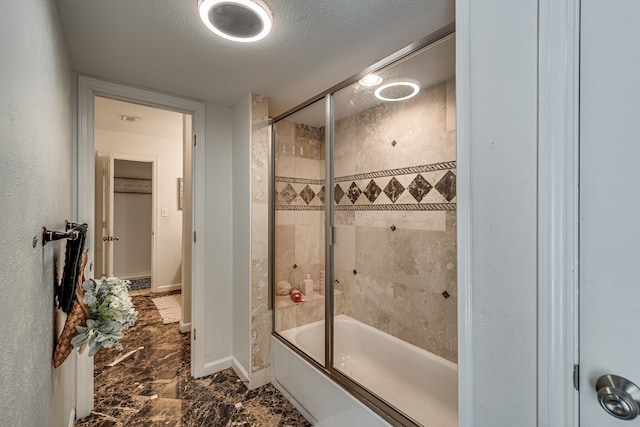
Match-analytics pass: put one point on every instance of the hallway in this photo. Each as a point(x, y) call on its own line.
point(153, 387)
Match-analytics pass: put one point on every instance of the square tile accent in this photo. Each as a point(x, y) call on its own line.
point(354, 192)
point(338, 193)
point(447, 186)
point(289, 194)
point(372, 191)
point(419, 188)
point(307, 194)
point(394, 189)
point(321, 195)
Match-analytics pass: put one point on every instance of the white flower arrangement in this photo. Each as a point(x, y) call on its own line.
point(111, 312)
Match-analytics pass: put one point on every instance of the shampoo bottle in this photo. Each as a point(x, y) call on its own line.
point(307, 285)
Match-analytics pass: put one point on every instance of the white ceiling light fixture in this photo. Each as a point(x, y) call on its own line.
point(370, 80)
point(397, 91)
point(237, 20)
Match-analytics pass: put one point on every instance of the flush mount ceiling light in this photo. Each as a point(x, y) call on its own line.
point(370, 80)
point(237, 20)
point(397, 91)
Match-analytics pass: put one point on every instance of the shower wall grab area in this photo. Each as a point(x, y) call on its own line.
point(364, 234)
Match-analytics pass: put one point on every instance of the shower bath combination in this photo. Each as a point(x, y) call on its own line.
point(364, 187)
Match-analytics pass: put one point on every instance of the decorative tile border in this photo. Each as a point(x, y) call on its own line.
point(417, 188)
point(400, 171)
point(292, 180)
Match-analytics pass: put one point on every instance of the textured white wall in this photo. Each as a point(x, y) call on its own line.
point(169, 169)
point(503, 141)
point(218, 235)
point(35, 191)
point(242, 234)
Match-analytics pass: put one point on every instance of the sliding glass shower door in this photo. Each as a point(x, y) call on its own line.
point(365, 229)
point(299, 190)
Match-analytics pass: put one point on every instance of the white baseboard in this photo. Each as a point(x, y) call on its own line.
point(185, 327)
point(217, 365)
point(167, 288)
point(72, 417)
point(240, 371)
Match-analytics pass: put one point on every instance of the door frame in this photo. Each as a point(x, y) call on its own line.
point(84, 180)
point(558, 211)
point(113, 156)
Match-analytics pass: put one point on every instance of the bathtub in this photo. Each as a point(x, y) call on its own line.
point(417, 382)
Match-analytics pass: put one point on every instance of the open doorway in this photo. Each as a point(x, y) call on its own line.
point(89, 90)
point(140, 207)
point(125, 202)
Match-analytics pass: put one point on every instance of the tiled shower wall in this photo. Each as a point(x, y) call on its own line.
point(396, 255)
point(395, 199)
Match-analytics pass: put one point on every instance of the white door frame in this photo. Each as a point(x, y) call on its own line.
point(558, 216)
point(558, 220)
point(154, 204)
point(88, 88)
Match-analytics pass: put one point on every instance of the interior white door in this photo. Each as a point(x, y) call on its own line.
point(101, 208)
point(609, 205)
point(109, 219)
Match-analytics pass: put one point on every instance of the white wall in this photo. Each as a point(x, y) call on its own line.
point(503, 145)
point(242, 236)
point(169, 169)
point(35, 190)
point(218, 237)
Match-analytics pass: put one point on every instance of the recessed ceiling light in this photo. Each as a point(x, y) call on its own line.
point(397, 91)
point(370, 80)
point(236, 20)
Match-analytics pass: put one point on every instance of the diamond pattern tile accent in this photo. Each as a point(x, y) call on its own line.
point(447, 186)
point(354, 192)
point(289, 194)
point(372, 191)
point(418, 181)
point(394, 189)
point(338, 193)
point(419, 188)
point(321, 194)
point(307, 194)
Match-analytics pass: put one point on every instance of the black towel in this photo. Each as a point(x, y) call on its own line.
point(72, 266)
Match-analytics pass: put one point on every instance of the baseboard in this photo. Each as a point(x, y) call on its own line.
point(132, 276)
point(185, 327)
point(72, 417)
point(240, 371)
point(167, 288)
point(217, 365)
point(260, 378)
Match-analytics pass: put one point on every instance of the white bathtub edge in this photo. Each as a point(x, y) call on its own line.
point(282, 389)
point(318, 398)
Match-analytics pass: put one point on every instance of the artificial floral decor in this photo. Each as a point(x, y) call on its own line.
point(110, 313)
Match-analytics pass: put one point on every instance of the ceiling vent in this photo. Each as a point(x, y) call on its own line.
point(236, 20)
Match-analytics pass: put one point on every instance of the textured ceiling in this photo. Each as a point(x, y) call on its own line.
point(163, 45)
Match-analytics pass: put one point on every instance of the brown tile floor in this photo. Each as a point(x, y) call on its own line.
point(153, 386)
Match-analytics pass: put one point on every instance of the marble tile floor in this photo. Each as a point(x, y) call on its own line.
point(153, 386)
